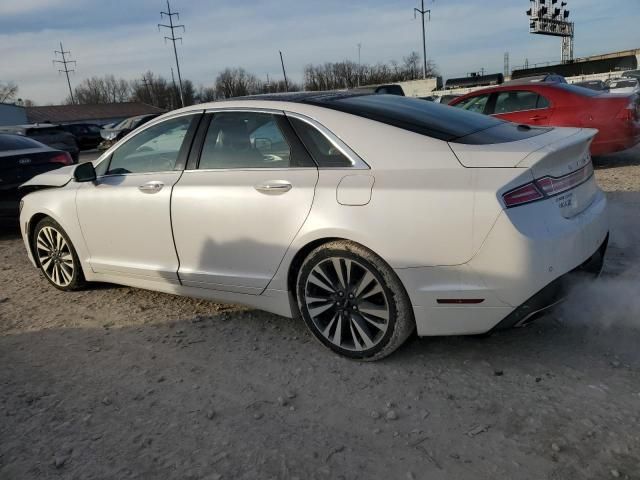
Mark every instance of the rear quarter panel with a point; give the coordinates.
(421, 207)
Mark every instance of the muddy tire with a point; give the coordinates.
(353, 302)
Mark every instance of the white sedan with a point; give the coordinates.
(369, 216)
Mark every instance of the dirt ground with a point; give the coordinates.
(118, 383)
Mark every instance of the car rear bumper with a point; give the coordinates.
(554, 293)
(616, 139)
(530, 249)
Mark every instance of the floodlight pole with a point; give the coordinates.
(422, 11)
(169, 14)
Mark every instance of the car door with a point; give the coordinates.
(522, 106)
(125, 214)
(241, 201)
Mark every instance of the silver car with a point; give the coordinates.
(369, 216)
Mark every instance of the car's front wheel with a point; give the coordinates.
(56, 256)
(353, 302)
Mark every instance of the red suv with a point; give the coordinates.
(617, 117)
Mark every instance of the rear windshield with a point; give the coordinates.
(16, 142)
(585, 92)
(429, 119)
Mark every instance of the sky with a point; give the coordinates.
(121, 37)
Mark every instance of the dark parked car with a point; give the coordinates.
(87, 134)
(21, 159)
(597, 85)
(112, 135)
(49, 134)
(632, 74)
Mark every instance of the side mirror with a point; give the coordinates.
(84, 172)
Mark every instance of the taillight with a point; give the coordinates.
(546, 187)
(631, 112)
(64, 158)
(521, 195)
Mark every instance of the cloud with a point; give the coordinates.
(121, 37)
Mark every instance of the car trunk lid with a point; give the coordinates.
(516, 153)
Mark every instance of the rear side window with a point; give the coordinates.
(15, 142)
(518, 101)
(323, 151)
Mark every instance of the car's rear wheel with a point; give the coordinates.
(56, 256)
(353, 302)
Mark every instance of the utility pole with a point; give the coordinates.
(147, 85)
(422, 11)
(65, 67)
(169, 14)
(359, 63)
(286, 83)
(507, 70)
(175, 87)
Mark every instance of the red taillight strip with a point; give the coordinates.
(546, 187)
(556, 185)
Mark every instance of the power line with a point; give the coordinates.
(169, 14)
(422, 12)
(65, 67)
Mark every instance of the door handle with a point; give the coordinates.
(538, 117)
(151, 187)
(277, 187)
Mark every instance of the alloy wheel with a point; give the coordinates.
(54, 256)
(347, 304)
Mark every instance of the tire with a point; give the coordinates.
(363, 312)
(56, 257)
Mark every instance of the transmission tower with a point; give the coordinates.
(507, 71)
(65, 66)
(169, 14)
(422, 12)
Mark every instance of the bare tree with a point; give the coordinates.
(237, 82)
(331, 76)
(205, 94)
(8, 92)
(105, 89)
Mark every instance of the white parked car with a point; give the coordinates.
(623, 85)
(370, 216)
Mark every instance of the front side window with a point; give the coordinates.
(518, 101)
(474, 104)
(155, 149)
(245, 140)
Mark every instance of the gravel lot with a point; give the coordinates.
(120, 383)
